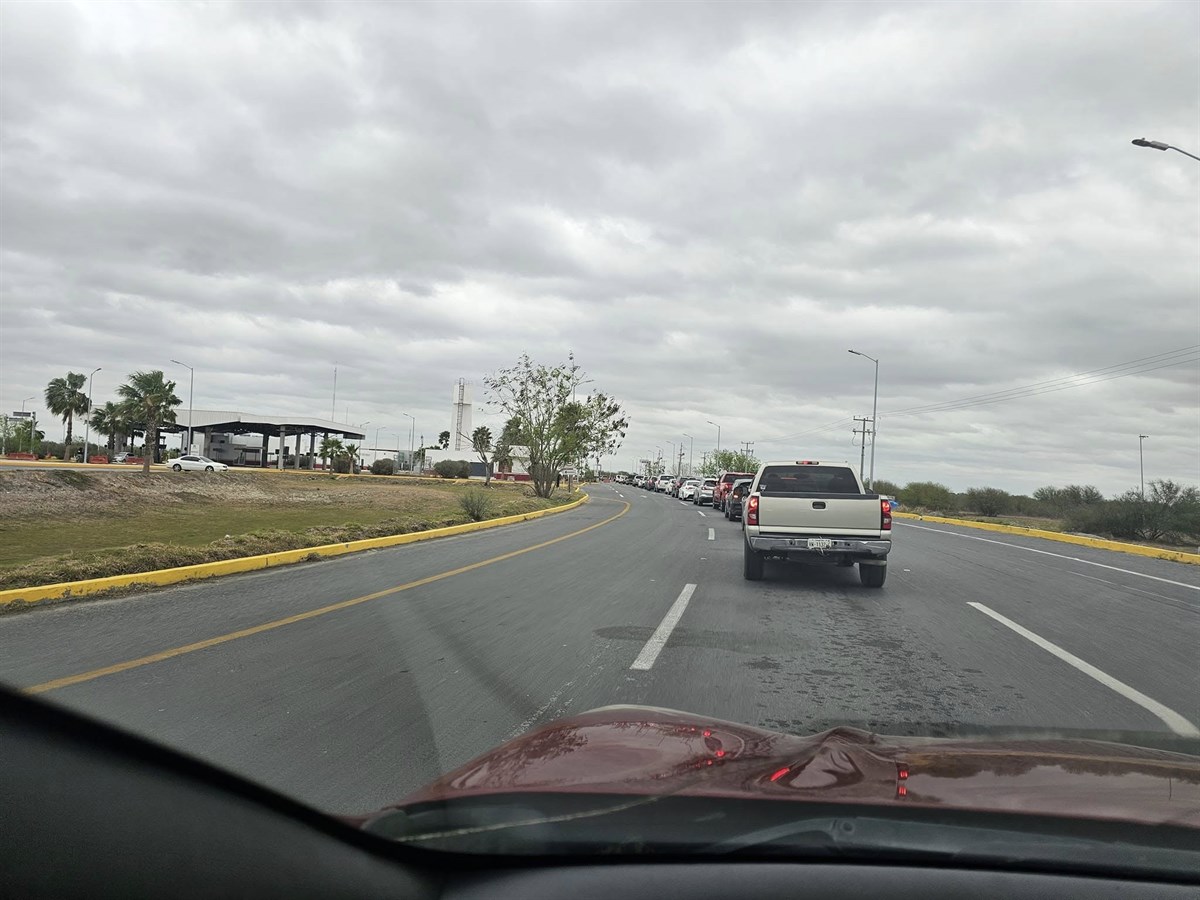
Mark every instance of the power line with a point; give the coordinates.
(1107, 373)
(840, 423)
(1036, 390)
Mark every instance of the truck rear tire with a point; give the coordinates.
(872, 576)
(752, 563)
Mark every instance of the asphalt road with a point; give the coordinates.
(349, 682)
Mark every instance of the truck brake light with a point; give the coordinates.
(752, 510)
(886, 512)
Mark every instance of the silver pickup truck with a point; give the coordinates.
(807, 510)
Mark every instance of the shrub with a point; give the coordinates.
(341, 465)
(988, 501)
(452, 468)
(476, 503)
(929, 495)
(1170, 513)
(886, 487)
(1062, 500)
(383, 467)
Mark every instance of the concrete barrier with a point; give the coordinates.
(1078, 539)
(23, 597)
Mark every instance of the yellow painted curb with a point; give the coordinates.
(1097, 543)
(70, 589)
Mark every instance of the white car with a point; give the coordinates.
(197, 464)
(687, 490)
(663, 483)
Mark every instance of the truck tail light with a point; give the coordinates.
(752, 511)
(886, 513)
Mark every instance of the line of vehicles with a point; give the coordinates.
(802, 511)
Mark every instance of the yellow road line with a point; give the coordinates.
(299, 617)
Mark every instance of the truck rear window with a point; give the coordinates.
(807, 480)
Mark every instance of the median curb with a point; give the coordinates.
(19, 598)
(1078, 539)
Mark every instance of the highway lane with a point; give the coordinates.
(355, 706)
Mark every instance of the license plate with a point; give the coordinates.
(819, 543)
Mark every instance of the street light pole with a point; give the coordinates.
(1142, 467)
(718, 427)
(33, 425)
(376, 447)
(1159, 145)
(87, 431)
(411, 432)
(874, 413)
(333, 403)
(691, 454)
(191, 385)
(577, 384)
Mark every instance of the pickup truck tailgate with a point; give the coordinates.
(808, 514)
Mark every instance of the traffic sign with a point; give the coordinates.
(570, 470)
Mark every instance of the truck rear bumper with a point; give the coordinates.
(853, 546)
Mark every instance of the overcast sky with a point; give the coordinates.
(708, 203)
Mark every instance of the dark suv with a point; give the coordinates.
(733, 500)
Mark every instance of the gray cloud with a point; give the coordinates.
(709, 203)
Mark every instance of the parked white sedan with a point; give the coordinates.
(197, 464)
(687, 490)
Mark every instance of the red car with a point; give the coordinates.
(724, 482)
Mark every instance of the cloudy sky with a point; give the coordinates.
(708, 203)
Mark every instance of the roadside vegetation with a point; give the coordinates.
(1169, 514)
(63, 525)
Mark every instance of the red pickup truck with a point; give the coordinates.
(724, 483)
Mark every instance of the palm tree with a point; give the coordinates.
(109, 421)
(351, 451)
(330, 449)
(65, 399)
(150, 401)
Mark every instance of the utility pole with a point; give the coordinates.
(746, 448)
(862, 456)
(679, 468)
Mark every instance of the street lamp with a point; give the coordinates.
(691, 455)
(33, 426)
(874, 412)
(87, 431)
(577, 384)
(718, 427)
(191, 384)
(1159, 145)
(1142, 467)
(672, 443)
(376, 447)
(411, 433)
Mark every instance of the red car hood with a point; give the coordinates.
(640, 750)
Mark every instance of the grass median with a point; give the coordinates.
(65, 526)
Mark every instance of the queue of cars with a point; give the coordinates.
(799, 511)
(700, 490)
